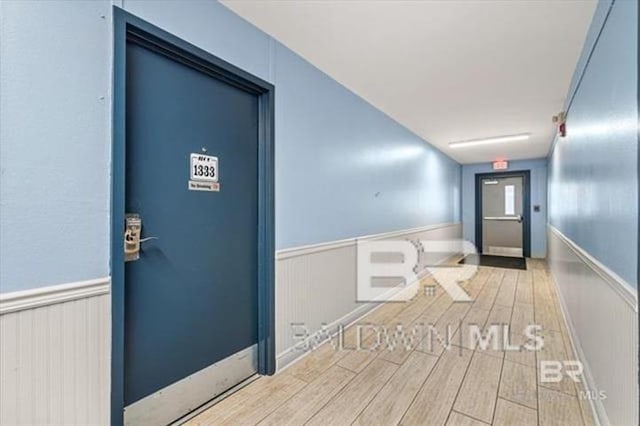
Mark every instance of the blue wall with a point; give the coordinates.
(55, 142)
(538, 169)
(593, 172)
(343, 168)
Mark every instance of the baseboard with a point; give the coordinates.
(292, 354)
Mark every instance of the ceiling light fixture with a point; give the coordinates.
(486, 141)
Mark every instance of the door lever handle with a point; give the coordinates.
(132, 234)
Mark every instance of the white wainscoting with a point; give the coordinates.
(55, 355)
(602, 312)
(316, 285)
(55, 342)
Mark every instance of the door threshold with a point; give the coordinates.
(204, 407)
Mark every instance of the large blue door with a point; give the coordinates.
(191, 299)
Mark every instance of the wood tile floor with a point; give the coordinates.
(428, 384)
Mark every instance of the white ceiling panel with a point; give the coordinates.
(447, 70)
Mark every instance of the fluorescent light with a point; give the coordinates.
(486, 141)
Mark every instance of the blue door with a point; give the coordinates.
(191, 298)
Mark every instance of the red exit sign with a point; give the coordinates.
(500, 165)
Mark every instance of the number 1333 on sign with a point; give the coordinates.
(204, 168)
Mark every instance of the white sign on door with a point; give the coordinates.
(509, 200)
(204, 168)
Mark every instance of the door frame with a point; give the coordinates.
(526, 206)
(129, 27)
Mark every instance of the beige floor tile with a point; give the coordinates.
(417, 307)
(506, 293)
(375, 338)
(518, 384)
(487, 295)
(521, 318)
(523, 314)
(477, 396)
(511, 414)
(251, 404)
(302, 406)
(553, 350)
(357, 359)
(585, 409)
(435, 400)
(524, 289)
(388, 407)
(440, 336)
(475, 285)
(495, 330)
(475, 318)
(311, 366)
(457, 419)
(558, 408)
(354, 397)
(434, 311)
(416, 331)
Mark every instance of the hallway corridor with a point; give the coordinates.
(319, 212)
(453, 387)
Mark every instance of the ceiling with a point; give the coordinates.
(447, 70)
